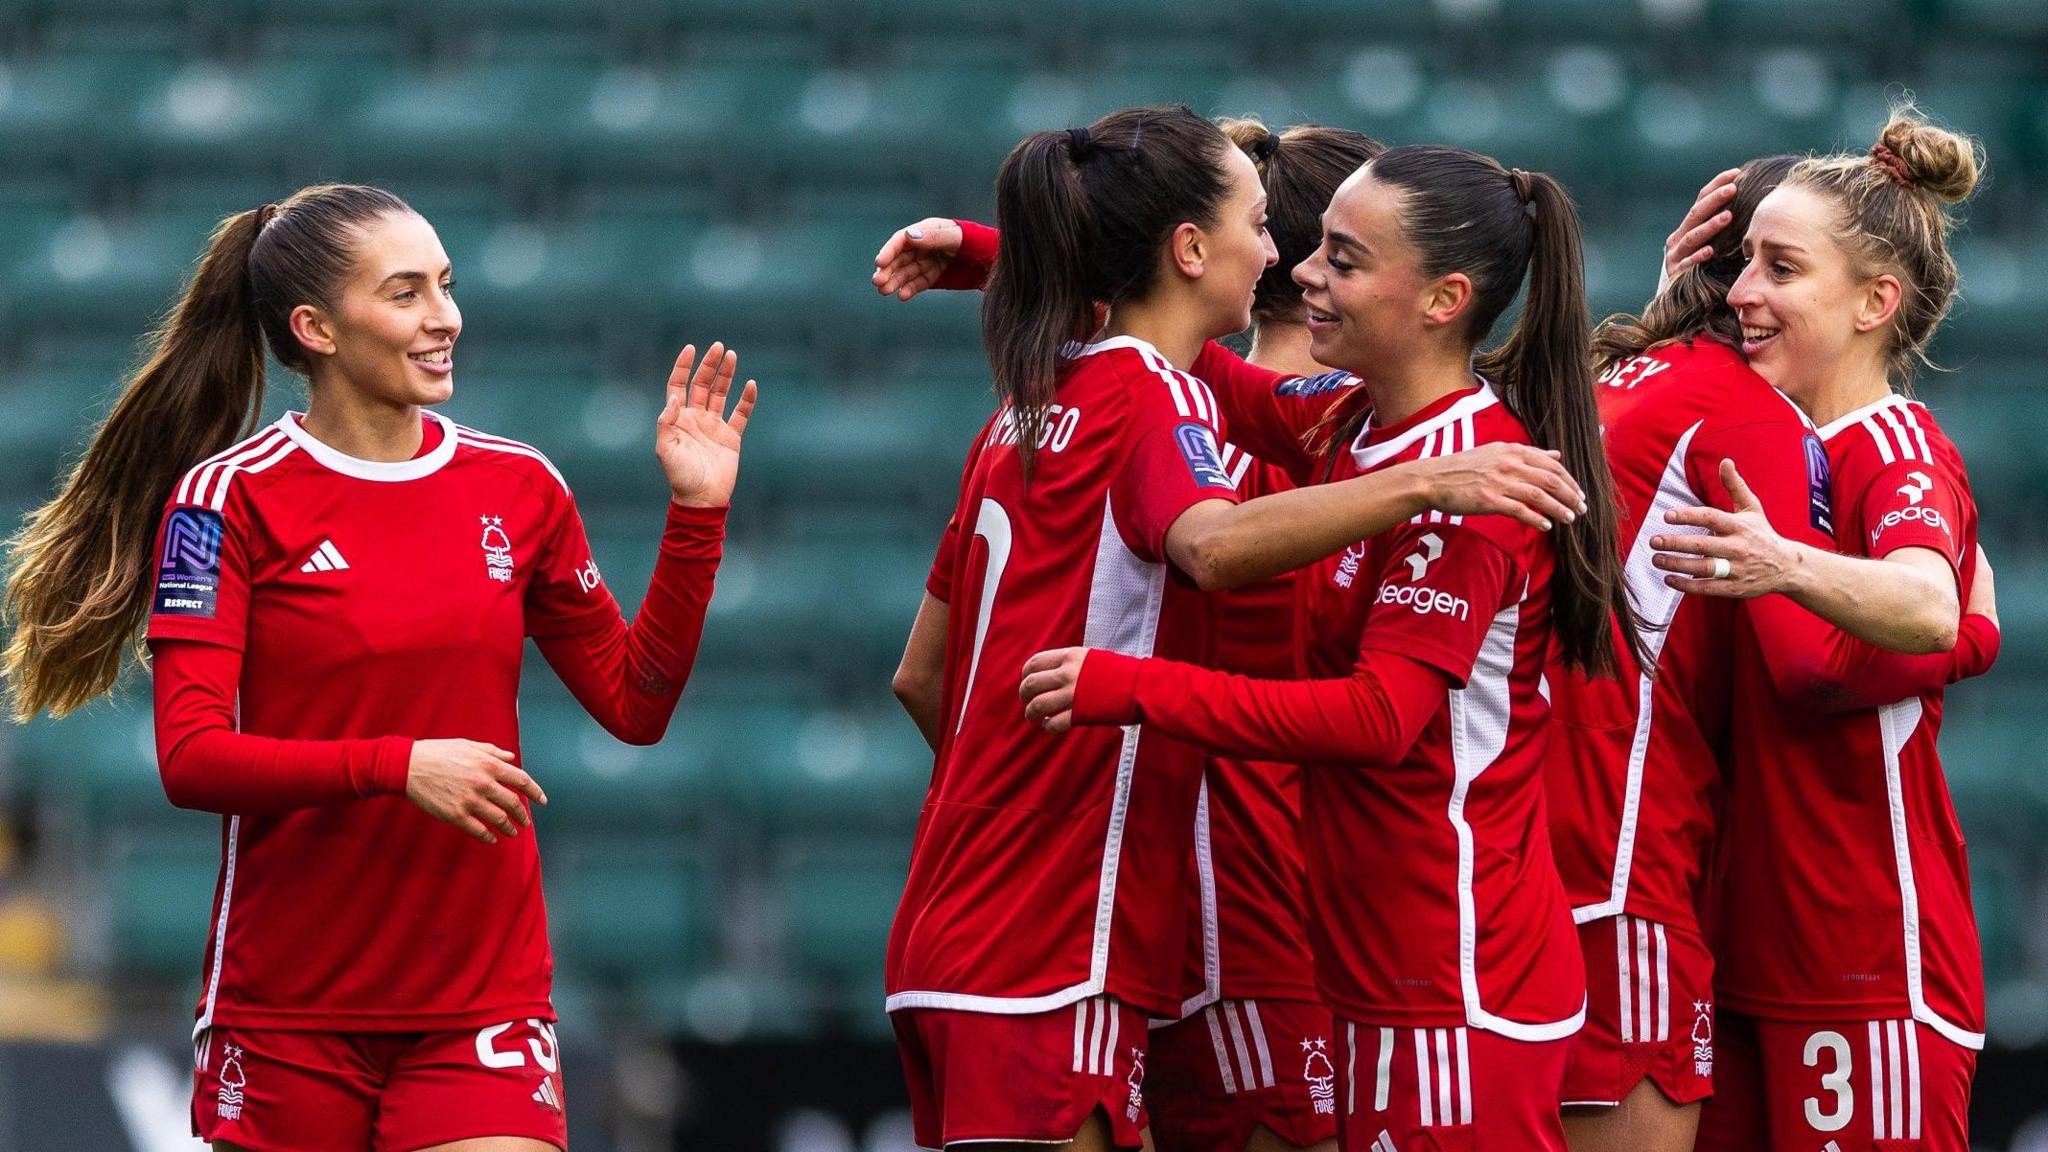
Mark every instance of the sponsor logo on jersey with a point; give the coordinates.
(1631, 372)
(188, 575)
(1819, 502)
(1315, 385)
(1198, 447)
(587, 577)
(232, 1080)
(1135, 1104)
(1425, 601)
(497, 549)
(1428, 550)
(1321, 1076)
(1918, 513)
(1703, 1038)
(1916, 486)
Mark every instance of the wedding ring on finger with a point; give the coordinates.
(1722, 568)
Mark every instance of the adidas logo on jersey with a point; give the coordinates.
(325, 558)
(545, 1094)
(1384, 1142)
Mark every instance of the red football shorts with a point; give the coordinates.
(1448, 1090)
(982, 1076)
(277, 1091)
(1220, 1073)
(1649, 1013)
(1850, 1086)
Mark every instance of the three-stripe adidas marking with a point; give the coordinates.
(325, 558)
(1095, 1028)
(1643, 963)
(1894, 1080)
(1384, 1142)
(546, 1094)
(1239, 1038)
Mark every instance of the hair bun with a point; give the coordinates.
(1944, 163)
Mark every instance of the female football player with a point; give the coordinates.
(1443, 936)
(1045, 913)
(1856, 1020)
(336, 608)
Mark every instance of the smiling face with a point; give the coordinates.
(1236, 249)
(390, 334)
(1803, 307)
(1364, 289)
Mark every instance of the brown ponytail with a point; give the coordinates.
(78, 587)
(1084, 214)
(1695, 303)
(1465, 213)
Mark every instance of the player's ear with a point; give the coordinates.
(1445, 300)
(313, 329)
(1880, 302)
(1186, 250)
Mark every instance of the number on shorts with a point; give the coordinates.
(541, 1044)
(993, 525)
(1836, 1082)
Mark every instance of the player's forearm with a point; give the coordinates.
(630, 678)
(208, 766)
(1892, 603)
(919, 683)
(236, 774)
(1369, 719)
(1870, 677)
(1278, 533)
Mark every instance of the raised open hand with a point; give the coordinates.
(915, 257)
(697, 444)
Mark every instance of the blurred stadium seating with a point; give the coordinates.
(615, 177)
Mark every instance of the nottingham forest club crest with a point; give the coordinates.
(497, 549)
(1320, 1074)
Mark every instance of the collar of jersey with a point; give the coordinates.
(1891, 400)
(1074, 350)
(1369, 456)
(381, 470)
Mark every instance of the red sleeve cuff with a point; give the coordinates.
(390, 766)
(1979, 631)
(970, 267)
(1107, 692)
(694, 533)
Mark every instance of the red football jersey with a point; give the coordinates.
(1433, 897)
(369, 599)
(1840, 833)
(1249, 935)
(1047, 869)
(1634, 770)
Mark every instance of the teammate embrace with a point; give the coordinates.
(1687, 733)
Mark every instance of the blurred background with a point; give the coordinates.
(613, 178)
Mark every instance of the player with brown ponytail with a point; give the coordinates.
(1454, 972)
(327, 602)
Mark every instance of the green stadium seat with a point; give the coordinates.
(160, 885)
(593, 780)
(100, 760)
(838, 899)
(623, 907)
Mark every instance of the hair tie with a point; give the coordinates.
(264, 214)
(1893, 163)
(1524, 187)
(1265, 146)
(1079, 145)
